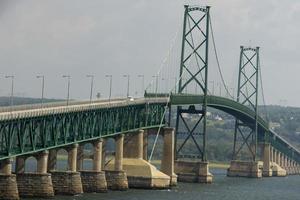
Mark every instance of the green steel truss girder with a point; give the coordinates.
(193, 70)
(247, 94)
(34, 134)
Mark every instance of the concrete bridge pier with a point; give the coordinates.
(267, 160)
(142, 174)
(37, 184)
(167, 163)
(145, 145)
(295, 167)
(67, 182)
(94, 180)
(193, 171)
(277, 170)
(285, 163)
(8, 181)
(291, 169)
(249, 169)
(116, 178)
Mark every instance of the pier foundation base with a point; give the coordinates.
(249, 169)
(68, 183)
(116, 180)
(277, 170)
(141, 174)
(8, 187)
(193, 172)
(93, 181)
(35, 185)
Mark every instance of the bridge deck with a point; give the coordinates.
(18, 112)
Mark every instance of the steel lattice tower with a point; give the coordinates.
(246, 135)
(193, 73)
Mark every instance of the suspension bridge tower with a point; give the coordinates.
(190, 143)
(245, 148)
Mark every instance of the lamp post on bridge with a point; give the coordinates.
(12, 89)
(110, 85)
(92, 85)
(162, 84)
(220, 88)
(43, 87)
(156, 83)
(128, 79)
(213, 87)
(175, 86)
(68, 87)
(143, 82)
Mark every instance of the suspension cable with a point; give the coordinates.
(163, 116)
(165, 58)
(262, 91)
(217, 58)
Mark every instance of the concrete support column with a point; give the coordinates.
(294, 167)
(68, 182)
(271, 155)
(97, 161)
(134, 169)
(145, 145)
(42, 162)
(8, 182)
(80, 155)
(117, 179)
(274, 155)
(291, 167)
(140, 144)
(72, 157)
(94, 180)
(103, 158)
(52, 159)
(133, 146)
(267, 171)
(119, 152)
(6, 167)
(280, 161)
(20, 165)
(285, 162)
(37, 184)
(167, 163)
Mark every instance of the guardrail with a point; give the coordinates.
(76, 106)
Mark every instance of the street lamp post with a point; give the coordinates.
(110, 85)
(220, 88)
(175, 86)
(143, 82)
(128, 78)
(162, 85)
(92, 85)
(12, 89)
(213, 87)
(68, 88)
(156, 83)
(43, 87)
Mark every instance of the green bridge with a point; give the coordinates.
(41, 131)
(30, 131)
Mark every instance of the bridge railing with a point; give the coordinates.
(51, 104)
(38, 130)
(82, 106)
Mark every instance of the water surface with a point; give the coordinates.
(223, 188)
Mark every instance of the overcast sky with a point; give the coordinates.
(78, 37)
